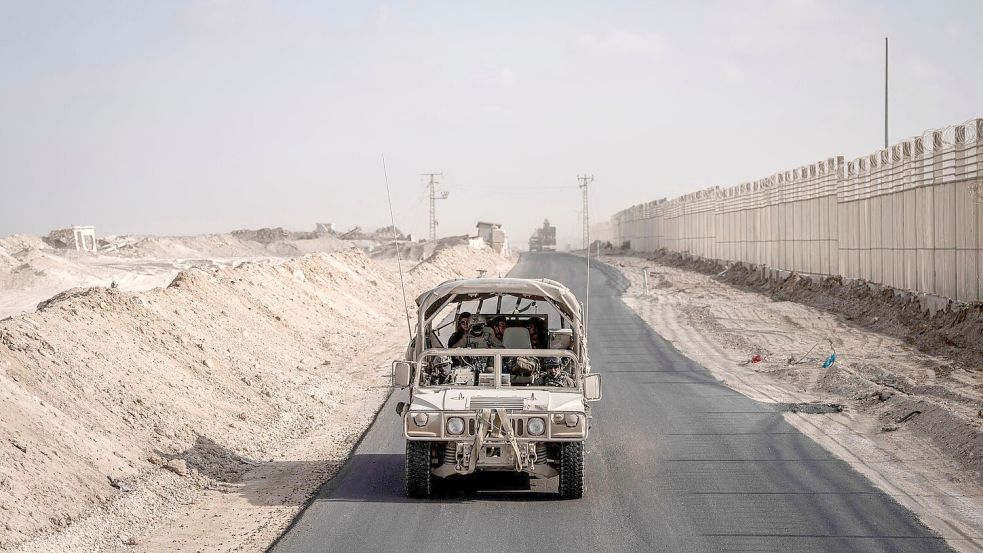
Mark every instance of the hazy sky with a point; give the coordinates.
(187, 117)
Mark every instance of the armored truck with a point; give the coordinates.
(500, 381)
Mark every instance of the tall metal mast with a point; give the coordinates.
(585, 181)
(434, 196)
(886, 144)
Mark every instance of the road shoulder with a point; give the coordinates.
(723, 328)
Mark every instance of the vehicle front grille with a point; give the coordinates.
(480, 402)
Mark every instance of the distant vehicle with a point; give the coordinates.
(512, 395)
(543, 238)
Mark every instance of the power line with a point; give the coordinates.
(521, 187)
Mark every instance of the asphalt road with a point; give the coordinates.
(676, 462)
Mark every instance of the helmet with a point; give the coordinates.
(477, 328)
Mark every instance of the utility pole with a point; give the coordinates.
(585, 181)
(434, 196)
(886, 145)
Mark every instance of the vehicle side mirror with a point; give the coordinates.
(592, 387)
(402, 373)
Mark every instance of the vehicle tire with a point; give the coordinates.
(571, 470)
(418, 476)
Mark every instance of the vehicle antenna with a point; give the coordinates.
(587, 299)
(399, 264)
(585, 182)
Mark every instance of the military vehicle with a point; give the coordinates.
(499, 380)
(543, 239)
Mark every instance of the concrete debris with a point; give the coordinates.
(177, 466)
(909, 416)
(119, 484)
(810, 408)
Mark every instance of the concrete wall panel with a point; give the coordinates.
(909, 216)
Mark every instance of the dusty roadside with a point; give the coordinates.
(910, 421)
(200, 416)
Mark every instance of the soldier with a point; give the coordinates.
(441, 370)
(553, 376)
(480, 335)
(458, 338)
(498, 327)
(538, 335)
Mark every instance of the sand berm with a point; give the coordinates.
(120, 407)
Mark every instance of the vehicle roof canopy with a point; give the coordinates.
(529, 288)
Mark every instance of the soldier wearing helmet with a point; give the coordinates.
(553, 375)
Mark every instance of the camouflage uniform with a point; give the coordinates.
(486, 340)
(559, 380)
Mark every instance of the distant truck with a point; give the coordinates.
(543, 238)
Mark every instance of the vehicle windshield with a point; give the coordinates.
(466, 367)
(497, 320)
(526, 342)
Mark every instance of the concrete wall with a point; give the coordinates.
(601, 232)
(910, 216)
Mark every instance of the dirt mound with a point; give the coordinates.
(455, 260)
(411, 251)
(321, 244)
(955, 332)
(29, 273)
(237, 244)
(266, 235)
(416, 251)
(32, 270)
(184, 247)
(109, 394)
(18, 242)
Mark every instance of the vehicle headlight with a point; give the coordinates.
(455, 426)
(536, 426)
(571, 419)
(420, 419)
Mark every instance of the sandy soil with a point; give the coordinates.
(32, 271)
(200, 416)
(911, 421)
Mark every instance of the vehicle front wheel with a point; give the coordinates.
(571, 470)
(418, 476)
